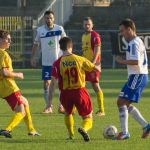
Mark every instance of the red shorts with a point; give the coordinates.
(76, 97)
(14, 99)
(92, 76)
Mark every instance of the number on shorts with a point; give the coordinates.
(46, 74)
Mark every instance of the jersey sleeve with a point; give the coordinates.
(134, 51)
(4, 62)
(63, 34)
(37, 37)
(97, 40)
(87, 65)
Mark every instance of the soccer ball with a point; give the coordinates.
(110, 132)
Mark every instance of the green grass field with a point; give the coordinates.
(52, 126)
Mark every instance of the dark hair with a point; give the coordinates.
(48, 12)
(128, 23)
(88, 19)
(63, 42)
(4, 33)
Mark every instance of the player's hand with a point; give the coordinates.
(33, 62)
(119, 59)
(20, 75)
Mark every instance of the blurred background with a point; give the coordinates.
(22, 17)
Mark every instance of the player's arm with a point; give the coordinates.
(63, 34)
(133, 56)
(5, 72)
(34, 49)
(97, 50)
(89, 66)
(120, 60)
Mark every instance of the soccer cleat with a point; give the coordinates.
(100, 114)
(146, 131)
(5, 133)
(34, 134)
(122, 136)
(84, 135)
(47, 111)
(61, 110)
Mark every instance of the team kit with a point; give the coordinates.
(71, 72)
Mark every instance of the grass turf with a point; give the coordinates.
(52, 126)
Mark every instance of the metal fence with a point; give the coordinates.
(22, 36)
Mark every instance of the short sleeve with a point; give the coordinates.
(134, 51)
(54, 71)
(87, 65)
(97, 40)
(63, 34)
(37, 37)
(4, 61)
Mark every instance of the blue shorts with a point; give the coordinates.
(46, 72)
(134, 87)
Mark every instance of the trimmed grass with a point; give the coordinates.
(52, 126)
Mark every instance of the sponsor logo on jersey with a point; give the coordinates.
(69, 63)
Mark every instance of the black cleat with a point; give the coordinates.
(5, 133)
(84, 135)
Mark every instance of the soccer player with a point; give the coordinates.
(137, 66)
(91, 48)
(70, 69)
(47, 37)
(10, 91)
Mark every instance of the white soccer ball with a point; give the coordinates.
(110, 132)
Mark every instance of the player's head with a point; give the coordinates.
(127, 28)
(49, 18)
(5, 39)
(88, 24)
(66, 44)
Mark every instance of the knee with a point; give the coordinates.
(46, 84)
(87, 116)
(120, 103)
(96, 87)
(25, 101)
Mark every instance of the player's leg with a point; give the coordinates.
(69, 122)
(67, 102)
(141, 83)
(84, 106)
(46, 77)
(135, 113)
(28, 119)
(17, 106)
(100, 98)
(123, 116)
(46, 85)
(86, 126)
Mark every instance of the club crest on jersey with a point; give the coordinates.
(50, 43)
(69, 63)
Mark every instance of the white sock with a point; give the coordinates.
(135, 113)
(123, 111)
(46, 94)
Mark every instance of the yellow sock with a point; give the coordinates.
(69, 122)
(28, 120)
(100, 100)
(87, 124)
(15, 121)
